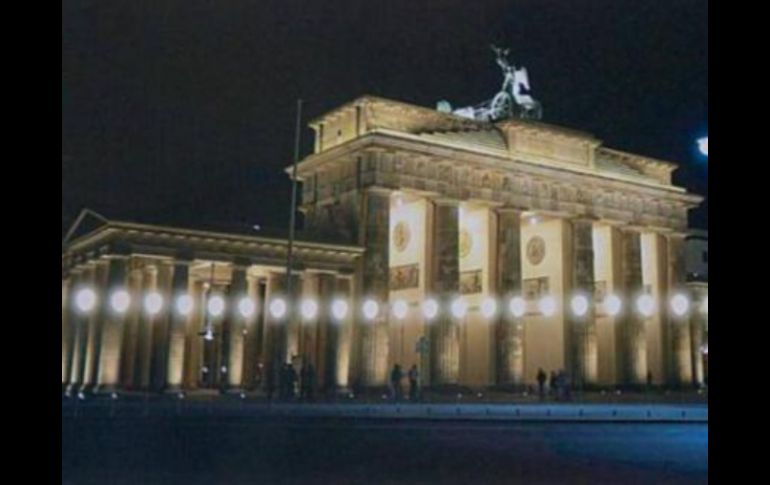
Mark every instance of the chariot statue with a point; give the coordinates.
(512, 101)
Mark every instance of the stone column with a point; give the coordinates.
(681, 356)
(160, 328)
(237, 324)
(374, 334)
(112, 329)
(511, 329)
(193, 338)
(273, 346)
(143, 365)
(80, 336)
(343, 336)
(584, 338)
(252, 353)
(632, 326)
(445, 338)
(697, 326)
(308, 328)
(178, 327)
(131, 327)
(69, 317)
(326, 348)
(94, 341)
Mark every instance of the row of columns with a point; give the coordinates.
(637, 348)
(103, 351)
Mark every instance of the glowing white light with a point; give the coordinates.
(579, 305)
(517, 306)
(85, 300)
(246, 307)
(371, 309)
(680, 304)
(547, 306)
(278, 308)
(645, 305)
(703, 145)
(339, 309)
(459, 308)
(489, 307)
(400, 309)
(184, 305)
(430, 309)
(309, 309)
(153, 303)
(120, 301)
(612, 305)
(216, 306)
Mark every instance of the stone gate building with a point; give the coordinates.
(500, 224)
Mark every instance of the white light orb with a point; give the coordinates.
(400, 309)
(371, 309)
(216, 306)
(517, 306)
(680, 304)
(339, 309)
(430, 309)
(547, 306)
(184, 305)
(309, 309)
(703, 145)
(153, 303)
(120, 301)
(85, 300)
(278, 308)
(579, 305)
(246, 307)
(488, 307)
(645, 305)
(612, 305)
(459, 308)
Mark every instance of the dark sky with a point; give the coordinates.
(183, 111)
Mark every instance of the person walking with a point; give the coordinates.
(541, 383)
(552, 384)
(395, 381)
(414, 375)
(291, 382)
(307, 382)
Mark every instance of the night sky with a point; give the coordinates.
(183, 112)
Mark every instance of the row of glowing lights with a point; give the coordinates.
(120, 302)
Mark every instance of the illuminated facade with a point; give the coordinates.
(525, 235)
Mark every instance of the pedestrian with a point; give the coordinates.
(413, 376)
(273, 378)
(307, 382)
(552, 384)
(541, 383)
(258, 376)
(566, 385)
(395, 381)
(291, 382)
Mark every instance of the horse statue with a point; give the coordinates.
(513, 99)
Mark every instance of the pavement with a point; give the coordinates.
(232, 406)
(291, 449)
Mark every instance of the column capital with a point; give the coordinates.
(377, 190)
(448, 201)
(508, 209)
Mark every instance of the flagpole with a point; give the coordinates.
(292, 215)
